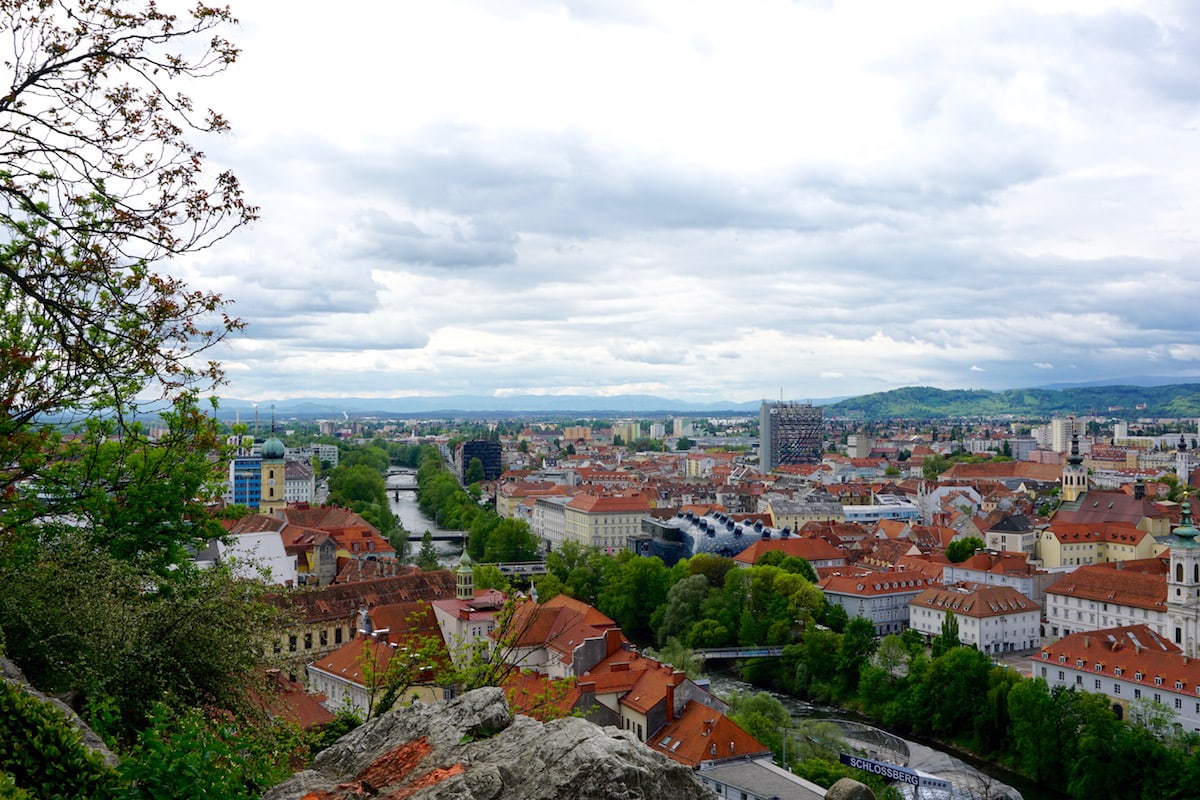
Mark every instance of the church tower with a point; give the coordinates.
(273, 496)
(1183, 584)
(464, 579)
(1074, 474)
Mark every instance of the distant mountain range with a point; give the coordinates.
(479, 405)
(1141, 399)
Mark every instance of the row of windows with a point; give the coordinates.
(322, 638)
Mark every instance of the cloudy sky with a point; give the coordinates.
(709, 200)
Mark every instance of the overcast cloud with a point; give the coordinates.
(709, 200)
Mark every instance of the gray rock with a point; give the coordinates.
(473, 748)
(849, 789)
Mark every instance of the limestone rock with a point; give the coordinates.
(849, 789)
(473, 748)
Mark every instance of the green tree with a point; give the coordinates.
(98, 186)
(427, 556)
(681, 609)
(474, 472)
(638, 586)
(960, 550)
(934, 465)
(948, 639)
(684, 443)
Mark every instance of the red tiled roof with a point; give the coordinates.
(1133, 650)
(876, 584)
(703, 734)
(1139, 584)
(340, 601)
(286, 699)
(601, 504)
(976, 601)
(535, 695)
(808, 549)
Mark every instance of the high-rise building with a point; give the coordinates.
(789, 433)
(489, 453)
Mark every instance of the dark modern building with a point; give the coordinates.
(488, 453)
(789, 433)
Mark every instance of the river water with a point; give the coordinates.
(404, 506)
(977, 781)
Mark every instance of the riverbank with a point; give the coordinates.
(971, 776)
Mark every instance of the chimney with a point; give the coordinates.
(612, 641)
(620, 666)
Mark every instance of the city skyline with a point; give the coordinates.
(707, 202)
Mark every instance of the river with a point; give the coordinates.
(974, 779)
(404, 506)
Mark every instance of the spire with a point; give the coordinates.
(1074, 458)
(1186, 532)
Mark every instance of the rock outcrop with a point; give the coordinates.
(474, 748)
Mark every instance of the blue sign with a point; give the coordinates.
(893, 772)
(886, 771)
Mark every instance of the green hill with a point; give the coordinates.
(924, 402)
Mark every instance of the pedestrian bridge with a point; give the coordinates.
(521, 567)
(731, 653)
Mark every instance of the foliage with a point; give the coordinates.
(489, 576)
(960, 550)
(135, 498)
(43, 755)
(922, 402)
(474, 472)
(427, 557)
(679, 656)
(948, 639)
(183, 754)
(110, 632)
(99, 183)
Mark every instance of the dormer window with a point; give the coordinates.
(1099, 668)
(1118, 672)
(1158, 681)
(1079, 662)
(1137, 676)
(1062, 659)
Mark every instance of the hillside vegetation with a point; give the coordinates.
(925, 402)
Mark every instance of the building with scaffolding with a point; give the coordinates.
(789, 433)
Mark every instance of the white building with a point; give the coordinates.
(548, 521)
(881, 597)
(1132, 665)
(993, 619)
(258, 555)
(1108, 595)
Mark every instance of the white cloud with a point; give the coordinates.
(466, 197)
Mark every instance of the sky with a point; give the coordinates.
(707, 200)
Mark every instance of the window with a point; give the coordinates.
(1097, 684)
(324, 638)
(308, 641)
(337, 636)
(1079, 680)
(1178, 702)
(1116, 688)
(292, 644)
(1137, 693)
(1061, 676)
(1158, 680)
